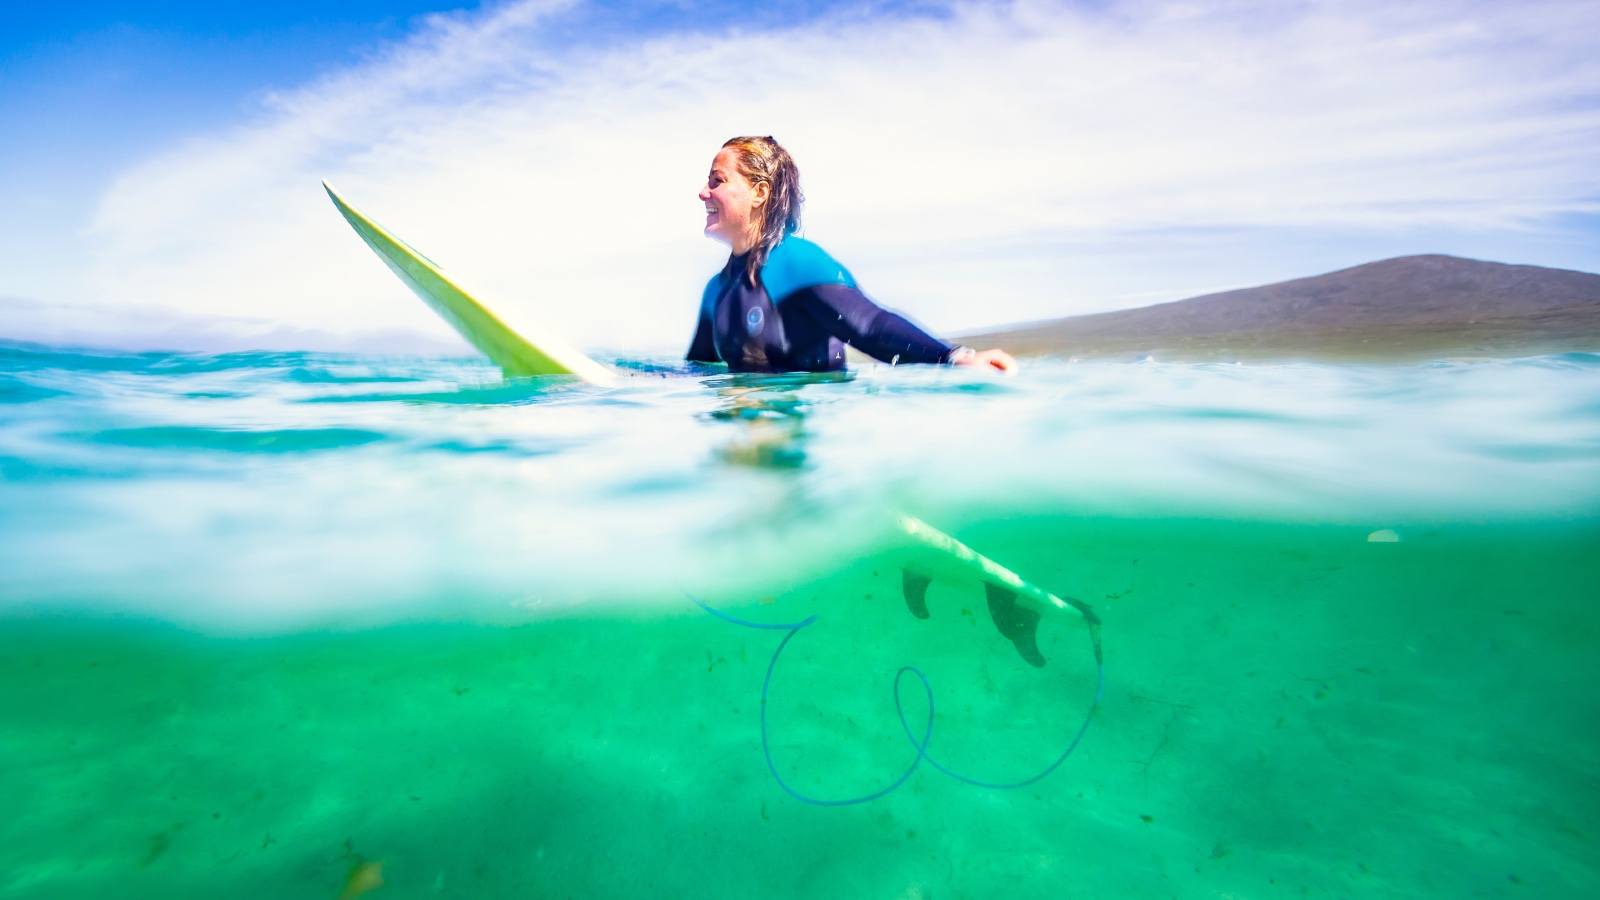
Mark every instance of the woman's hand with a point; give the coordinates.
(996, 360)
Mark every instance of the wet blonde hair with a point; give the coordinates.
(762, 160)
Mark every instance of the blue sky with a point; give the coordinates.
(97, 83)
(973, 163)
(90, 84)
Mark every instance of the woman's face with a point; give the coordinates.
(731, 202)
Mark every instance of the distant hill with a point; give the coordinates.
(1411, 305)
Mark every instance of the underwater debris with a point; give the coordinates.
(159, 844)
(365, 876)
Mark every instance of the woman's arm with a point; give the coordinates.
(848, 315)
(702, 348)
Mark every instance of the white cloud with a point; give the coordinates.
(971, 168)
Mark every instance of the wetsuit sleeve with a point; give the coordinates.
(847, 314)
(701, 349)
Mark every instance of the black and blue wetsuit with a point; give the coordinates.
(802, 310)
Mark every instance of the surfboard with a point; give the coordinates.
(945, 556)
(514, 353)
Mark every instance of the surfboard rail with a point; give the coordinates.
(512, 352)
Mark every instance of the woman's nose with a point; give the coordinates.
(704, 195)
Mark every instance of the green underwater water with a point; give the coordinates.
(1293, 706)
(1288, 710)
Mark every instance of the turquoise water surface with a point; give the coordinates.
(271, 620)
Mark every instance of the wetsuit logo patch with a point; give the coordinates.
(754, 320)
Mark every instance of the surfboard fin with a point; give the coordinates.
(915, 588)
(1018, 624)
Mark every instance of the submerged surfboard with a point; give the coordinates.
(512, 352)
(951, 558)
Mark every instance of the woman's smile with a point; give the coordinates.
(728, 199)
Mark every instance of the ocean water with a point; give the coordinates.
(290, 624)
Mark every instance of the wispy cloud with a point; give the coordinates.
(979, 164)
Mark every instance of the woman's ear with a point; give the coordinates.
(759, 193)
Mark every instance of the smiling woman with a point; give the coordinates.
(782, 303)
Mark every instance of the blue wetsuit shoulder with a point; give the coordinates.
(796, 264)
